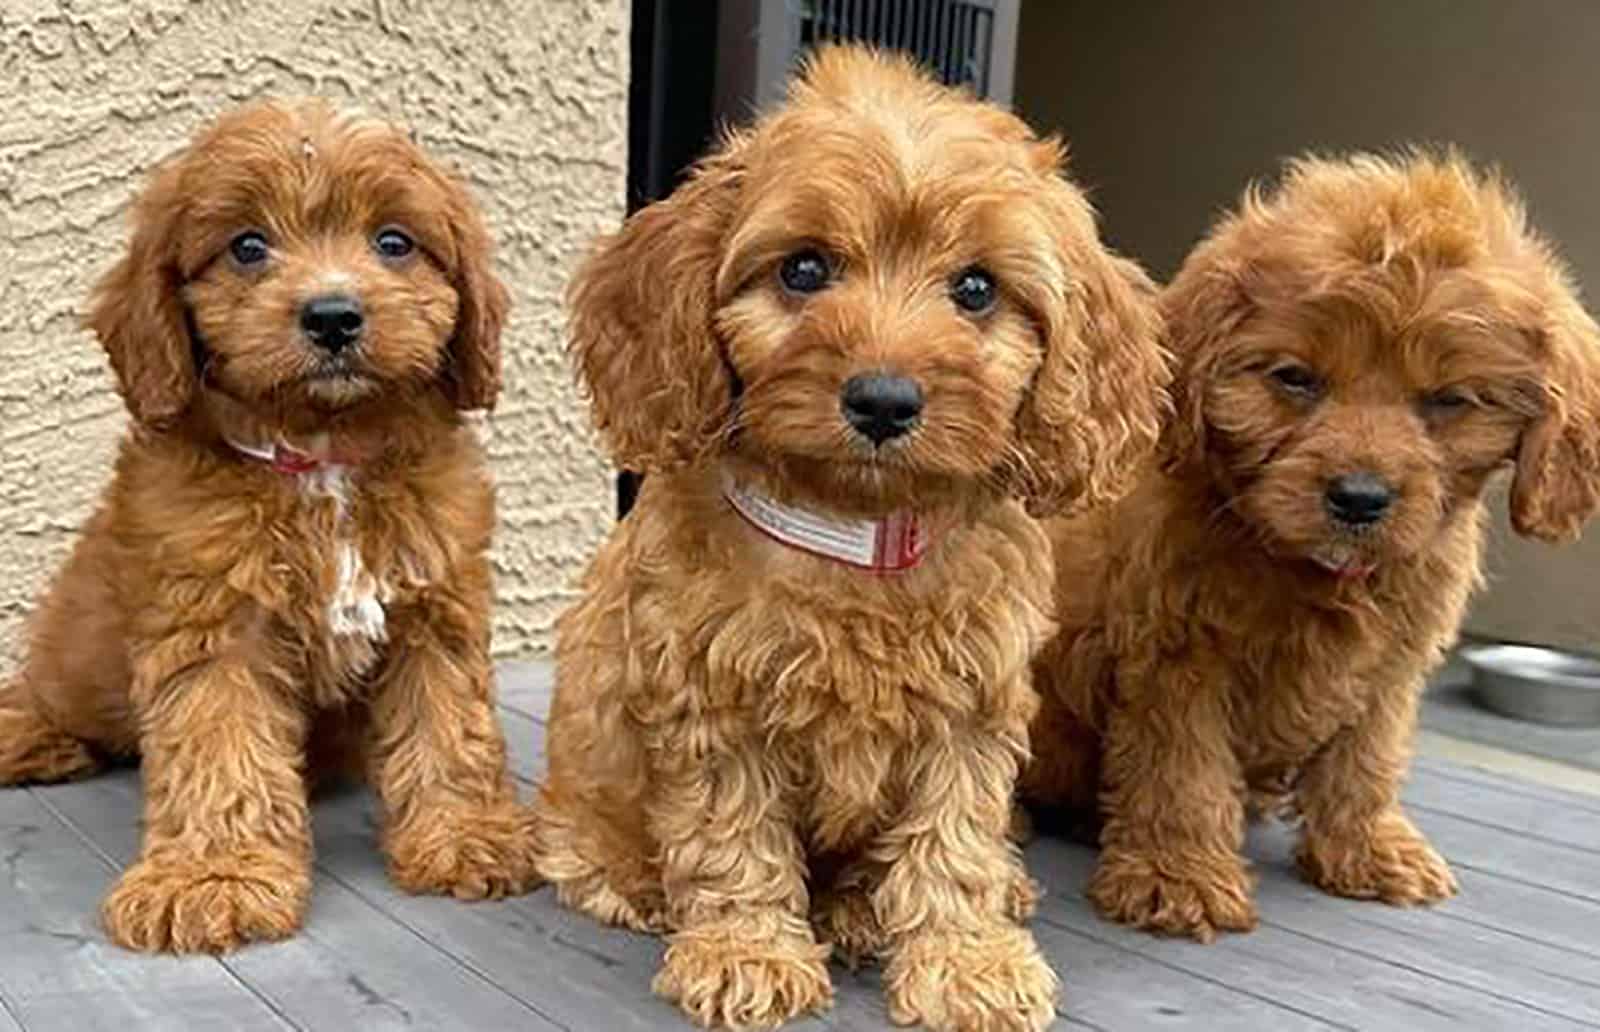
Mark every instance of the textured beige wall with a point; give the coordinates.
(1172, 105)
(527, 98)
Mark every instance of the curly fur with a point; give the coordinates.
(1224, 640)
(766, 753)
(241, 628)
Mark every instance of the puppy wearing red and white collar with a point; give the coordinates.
(792, 701)
(293, 548)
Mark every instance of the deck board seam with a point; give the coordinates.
(519, 711)
(1199, 976)
(266, 1001)
(1554, 890)
(1446, 914)
(1430, 975)
(11, 1012)
(1406, 930)
(1530, 836)
(461, 962)
(1505, 783)
(77, 832)
(114, 867)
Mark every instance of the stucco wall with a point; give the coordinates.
(527, 98)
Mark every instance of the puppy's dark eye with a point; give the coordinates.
(249, 248)
(1446, 401)
(1297, 379)
(805, 272)
(974, 291)
(392, 243)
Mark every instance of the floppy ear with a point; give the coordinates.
(1098, 397)
(472, 372)
(1205, 305)
(641, 327)
(1556, 487)
(137, 309)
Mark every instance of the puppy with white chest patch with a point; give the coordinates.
(290, 566)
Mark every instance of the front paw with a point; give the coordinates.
(990, 982)
(470, 854)
(845, 919)
(734, 976)
(189, 904)
(1194, 896)
(1393, 863)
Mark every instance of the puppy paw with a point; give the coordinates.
(734, 976)
(33, 752)
(184, 904)
(845, 920)
(468, 854)
(995, 981)
(1174, 896)
(592, 895)
(1394, 864)
(1022, 897)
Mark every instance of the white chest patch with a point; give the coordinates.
(328, 481)
(357, 606)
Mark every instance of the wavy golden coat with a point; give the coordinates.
(1358, 351)
(243, 628)
(767, 753)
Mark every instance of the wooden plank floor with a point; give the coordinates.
(1519, 950)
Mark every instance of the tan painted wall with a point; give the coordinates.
(528, 98)
(1172, 105)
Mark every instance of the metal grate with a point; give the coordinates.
(968, 43)
(953, 38)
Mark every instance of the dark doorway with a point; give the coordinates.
(671, 121)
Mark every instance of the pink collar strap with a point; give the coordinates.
(893, 543)
(287, 460)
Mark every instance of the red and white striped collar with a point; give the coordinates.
(891, 544)
(288, 460)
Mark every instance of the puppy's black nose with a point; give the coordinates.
(333, 321)
(880, 406)
(1359, 498)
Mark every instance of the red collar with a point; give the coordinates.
(282, 458)
(891, 544)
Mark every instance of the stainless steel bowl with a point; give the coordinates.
(1537, 684)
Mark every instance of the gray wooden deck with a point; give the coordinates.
(1519, 950)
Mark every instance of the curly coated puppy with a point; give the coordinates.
(1358, 354)
(292, 552)
(793, 700)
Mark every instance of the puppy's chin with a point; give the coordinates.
(865, 485)
(1347, 561)
(338, 390)
(1304, 538)
(819, 459)
(1345, 554)
(876, 483)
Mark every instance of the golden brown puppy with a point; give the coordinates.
(293, 545)
(1357, 354)
(792, 702)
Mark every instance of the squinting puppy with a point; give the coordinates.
(290, 564)
(1358, 352)
(792, 701)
